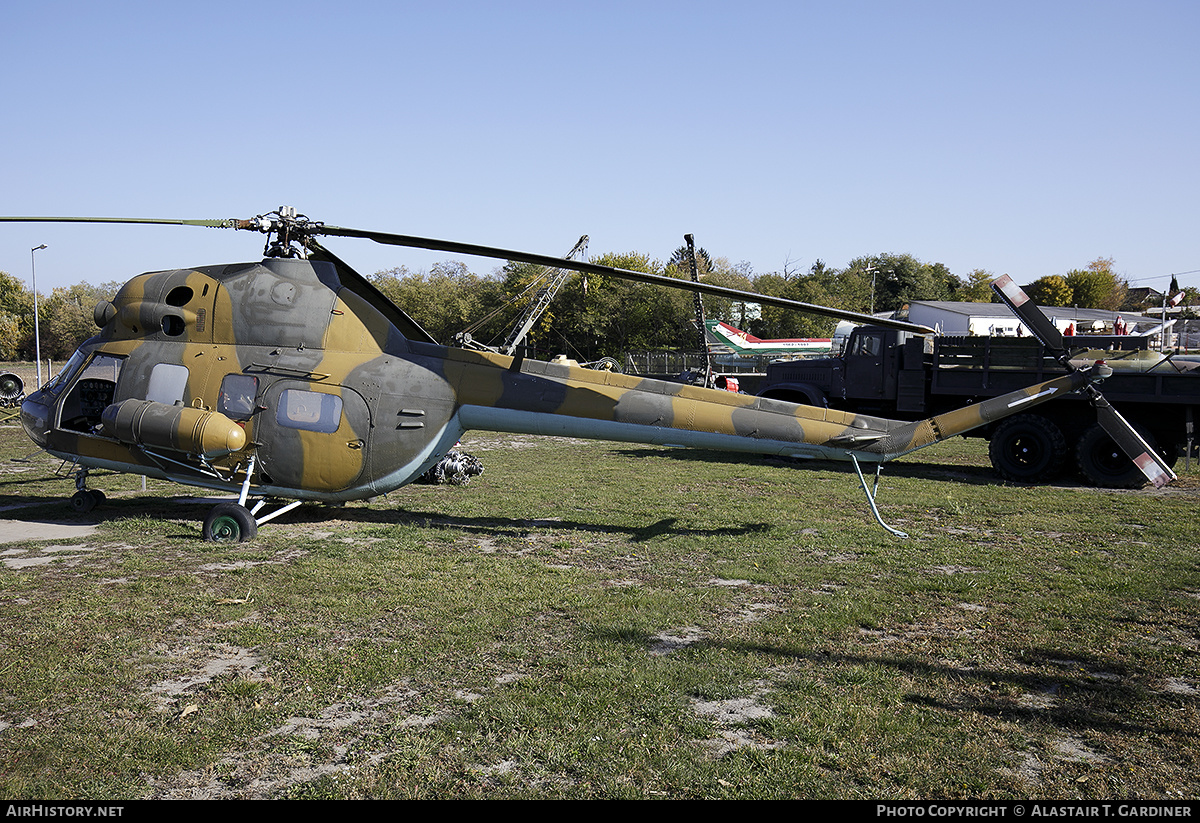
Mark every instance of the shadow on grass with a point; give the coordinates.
(511, 527)
(979, 475)
(1066, 688)
(903, 467)
(56, 510)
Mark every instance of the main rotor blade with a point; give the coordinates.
(216, 224)
(268, 223)
(1031, 315)
(473, 250)
(1148, 461)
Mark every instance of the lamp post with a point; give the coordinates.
(37, 334)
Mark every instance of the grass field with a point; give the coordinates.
(593, 620)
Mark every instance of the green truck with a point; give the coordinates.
(897, 374)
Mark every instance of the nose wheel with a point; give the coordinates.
(85, 499)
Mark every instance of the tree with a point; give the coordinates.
(901, 278)
(848, 289)
(681, 266)
(721, 273)
(11, 333)
(1051, 290)
(977, 288)
(444, 300)
(1097, 287)
(595, 315)
(67, 319)
(16, 319)
(620, 316)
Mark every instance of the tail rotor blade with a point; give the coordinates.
(1129, 441)
(1147, 460)
(1029, 313)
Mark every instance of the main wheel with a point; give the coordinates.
(1102, 463)
(229, 523)
(1028, 448)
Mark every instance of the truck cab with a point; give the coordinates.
(878, 371)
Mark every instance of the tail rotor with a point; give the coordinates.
(1127, 439)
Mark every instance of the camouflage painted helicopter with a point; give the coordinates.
(294, 379)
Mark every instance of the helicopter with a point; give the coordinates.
(293, 380)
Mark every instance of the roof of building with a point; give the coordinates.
(1001, 310)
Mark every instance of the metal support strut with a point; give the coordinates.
(871, 492)
(272, 515)
(246, 483)
(258, 505)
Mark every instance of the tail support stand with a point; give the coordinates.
(871, 492)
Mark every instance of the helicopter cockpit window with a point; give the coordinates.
(65, 374)
(309, 410)
(91, 394)
(237, 396)
(167, 383)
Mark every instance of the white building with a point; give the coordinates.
(995, 319)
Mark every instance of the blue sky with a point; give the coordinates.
(1026, 138)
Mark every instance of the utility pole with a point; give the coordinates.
(37, 334)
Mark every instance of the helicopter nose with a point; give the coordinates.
(35, 417)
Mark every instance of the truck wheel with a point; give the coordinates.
(1103, 464)
(1028, 448)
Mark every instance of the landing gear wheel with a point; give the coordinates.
(84, 500)
(1103, 464)
(1028, 448)
(229, 523)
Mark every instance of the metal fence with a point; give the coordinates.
(676, 362)
(662, 362)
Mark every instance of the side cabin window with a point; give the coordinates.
(309, 410)
(237, 396)
(167, 383)
(91, 394)
(868, 344)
